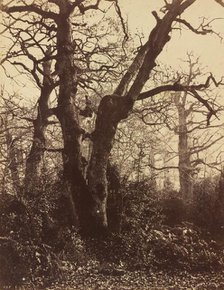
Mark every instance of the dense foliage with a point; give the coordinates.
(37, 249)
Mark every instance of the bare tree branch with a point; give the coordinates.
(29, 8)
(163, 168)
(203, 30)
(206, 104)
(203, 147)
(157, 40)
(54, 150)
(118, 9)
(83, 8)
(220, 2)
(32, 72)
(176, 87)
(131, 72)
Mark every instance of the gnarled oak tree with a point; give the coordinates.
(88, 196)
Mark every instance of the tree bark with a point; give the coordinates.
(185, 167)
(111, 111)
(75, 187)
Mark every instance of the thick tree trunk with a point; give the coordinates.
(111, 111)
(185, 167)
(184, 153)
(75, 187)
(36, 154)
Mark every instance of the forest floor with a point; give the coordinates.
(139, 280)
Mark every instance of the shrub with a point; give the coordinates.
(184, 247)
(15, 221)
(139, 211)
(25, 227)
(208, 208)
(173, 210)
(154, 235)
(27, 262)
(140, 206)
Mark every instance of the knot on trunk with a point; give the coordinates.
(115, 107)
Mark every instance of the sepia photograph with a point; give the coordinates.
(111, 144)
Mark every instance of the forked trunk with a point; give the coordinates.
(91, 200)
(114, 108)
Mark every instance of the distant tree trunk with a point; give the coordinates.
(218, 214)
(13, 162)
(221, 184)
(36, 154)
(152, 173)
(185, 167)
